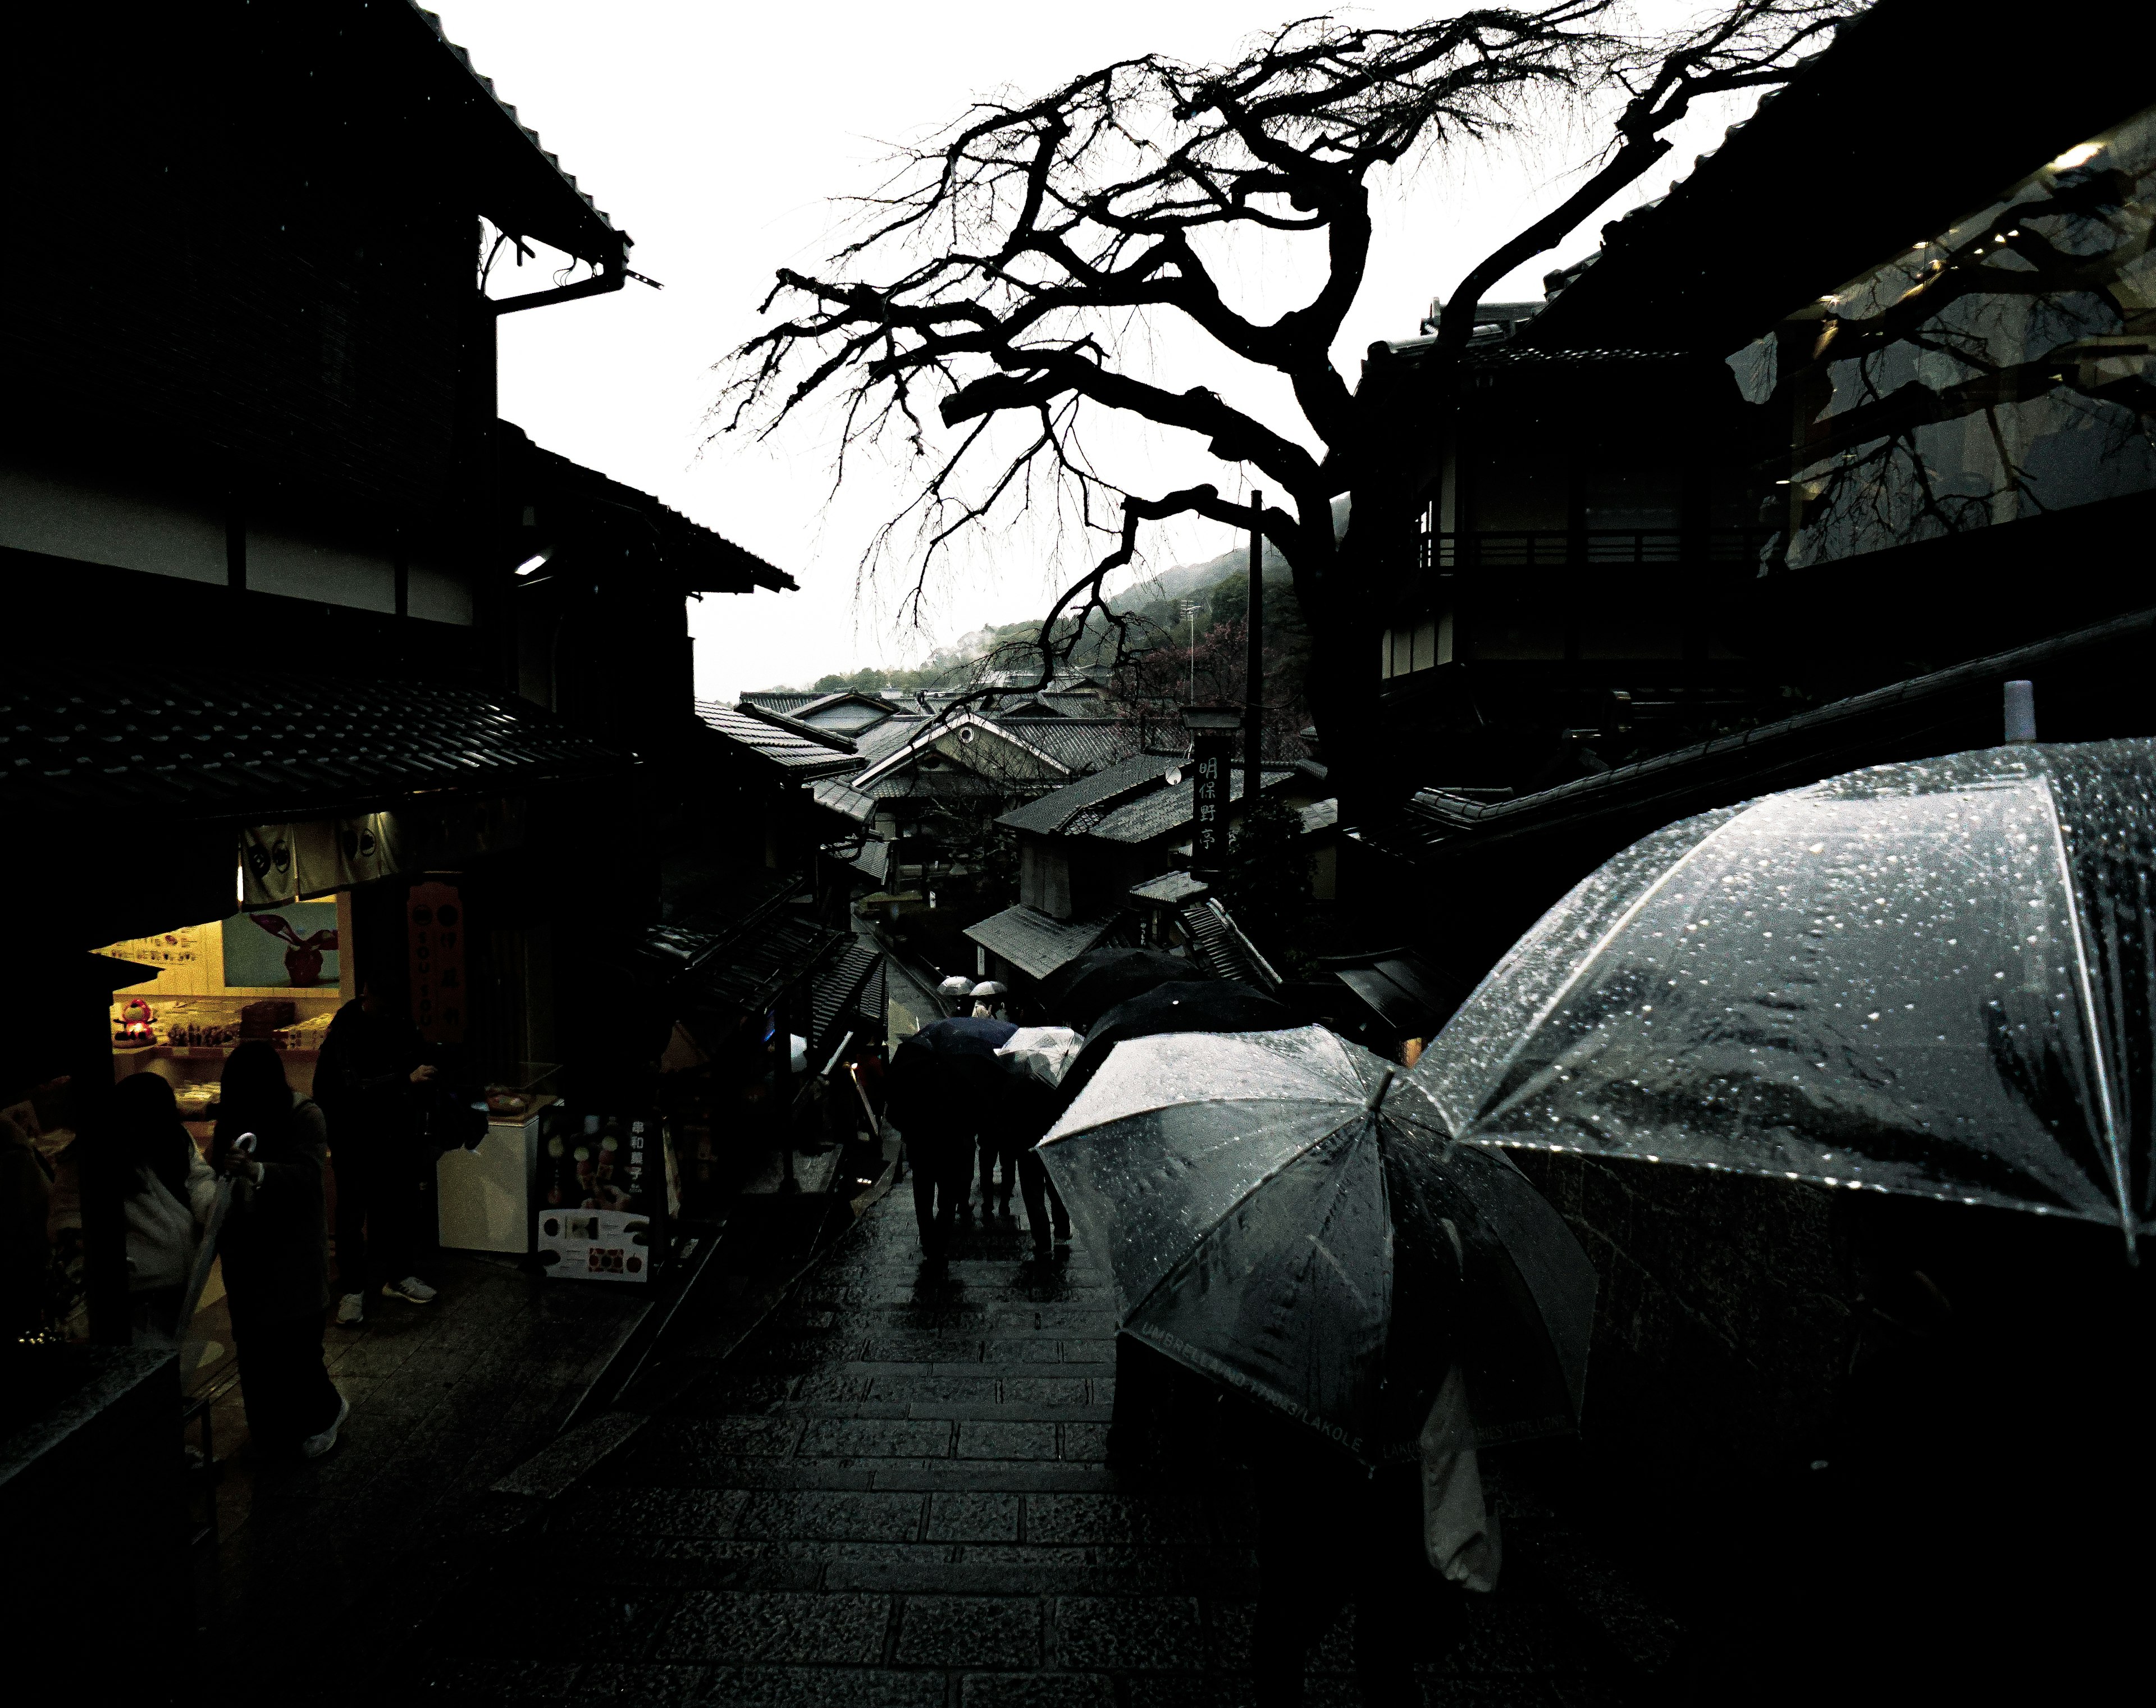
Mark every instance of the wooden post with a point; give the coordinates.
(1254, 667)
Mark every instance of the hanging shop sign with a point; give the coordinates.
(434, 929)
(280, 863)
(1213, 737)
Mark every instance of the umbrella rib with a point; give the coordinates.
(1243, 1197)
(1528, 1032)
(2096, 1034)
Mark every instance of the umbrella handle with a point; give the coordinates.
(1385, 1085)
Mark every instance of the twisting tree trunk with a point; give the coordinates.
(1003, 263)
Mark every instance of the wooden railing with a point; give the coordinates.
(1558, 548)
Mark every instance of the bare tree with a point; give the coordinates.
(1000, 272)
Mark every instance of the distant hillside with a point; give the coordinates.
(1187, 578)
(1157, 599)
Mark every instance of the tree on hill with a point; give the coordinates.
(981, 318)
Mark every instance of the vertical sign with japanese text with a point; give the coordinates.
(1212, 752)
(435, 923)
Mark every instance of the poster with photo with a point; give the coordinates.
(597, 1245)
(601, 1196)
(293, 947)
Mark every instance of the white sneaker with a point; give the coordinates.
(315, 1446)
(411, 1290)
(351, 1310)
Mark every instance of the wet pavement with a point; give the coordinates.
(445, 1399)
(896, 1490)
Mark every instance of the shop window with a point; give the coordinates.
(2000, 370)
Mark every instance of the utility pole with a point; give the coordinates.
(1254, 663)
(1190, 612)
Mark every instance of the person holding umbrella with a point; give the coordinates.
(942, 1080)
(272, 1143)
(1282, 1213)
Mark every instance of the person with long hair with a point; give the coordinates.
(170, 1190)
(275, 1250)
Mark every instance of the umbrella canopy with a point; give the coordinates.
(1280, 1212)
(1193, 1005)
(1044, 1052)
(1930, 978)
(1100, 978)
(939, 1075)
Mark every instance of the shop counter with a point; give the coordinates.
(483, 1198)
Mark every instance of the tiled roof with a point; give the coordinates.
(256, 745)
(748, 973)
(735, 948)
(792, 754)
(808, 732)
(1171, 889)
(699, 559)
(832, 792)
(887, 738)
(1037, 945)
(838, 999)
(1168, 809)
(1085, 746)
(1052, 812)
(847, 712)
(873, 862)
(1052, 705)
(463, 58)
(788, 700)
(955, 784)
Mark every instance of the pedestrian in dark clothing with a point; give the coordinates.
(942, 1179)
(369, 1080)
(1329, 1531)
(275, 1252)
(1044, 1204)
(942, 1082)
(1023, 1109)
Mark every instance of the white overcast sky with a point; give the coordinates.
(716, 135)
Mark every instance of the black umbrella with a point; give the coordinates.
(1283, 1213)
(1101, 979)
(1196, 1005)
(1932, 978)
(939, 1075)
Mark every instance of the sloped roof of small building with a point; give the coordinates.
(840, 797)
(1052, 812)
(1037, 945)
(257, 746)
(795, 755)
(1081, 745)
(788, 700)
(1169, 808)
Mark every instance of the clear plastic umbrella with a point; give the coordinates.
(1280, 1212)
(1930, 978)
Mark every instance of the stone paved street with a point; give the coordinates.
(445, 1399)
(896, 1492)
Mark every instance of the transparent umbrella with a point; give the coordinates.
(1930, 978)
(1280, 1213)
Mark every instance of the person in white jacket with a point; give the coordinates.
(172, 1189)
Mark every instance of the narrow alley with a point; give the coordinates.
(896, 1492)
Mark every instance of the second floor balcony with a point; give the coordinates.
(1579, 548)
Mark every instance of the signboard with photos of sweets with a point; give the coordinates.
(602, 1195)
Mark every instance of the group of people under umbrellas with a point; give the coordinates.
(1930, 979)
(1270, 1202)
